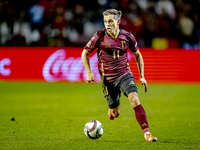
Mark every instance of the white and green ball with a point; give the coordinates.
(93, 129)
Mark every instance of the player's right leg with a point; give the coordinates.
(112, 95)
(114, 113)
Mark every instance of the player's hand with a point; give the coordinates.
(90, 77)
(144, 83)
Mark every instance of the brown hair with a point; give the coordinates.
(117, 14)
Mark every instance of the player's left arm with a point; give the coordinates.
(140, 64)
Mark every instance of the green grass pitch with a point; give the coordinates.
(53, 115)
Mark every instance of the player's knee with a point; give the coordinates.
(115, 112)
(133, 98)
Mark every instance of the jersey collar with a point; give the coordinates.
(120, 32)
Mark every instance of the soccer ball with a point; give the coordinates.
(93, 129)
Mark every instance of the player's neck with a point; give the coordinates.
(115, 33)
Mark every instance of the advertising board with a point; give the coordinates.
(51, 64)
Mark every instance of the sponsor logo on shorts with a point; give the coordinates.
(131, 83)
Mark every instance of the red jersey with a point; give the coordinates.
(112, 53)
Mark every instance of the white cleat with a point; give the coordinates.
(149, 137)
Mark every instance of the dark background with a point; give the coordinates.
(58, 23)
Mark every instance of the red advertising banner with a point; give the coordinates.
(65, 64)
(170, 65)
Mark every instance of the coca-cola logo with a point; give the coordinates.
(4, 67)
(60, 67)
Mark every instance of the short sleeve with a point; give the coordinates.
(93, 43)
(133, 45)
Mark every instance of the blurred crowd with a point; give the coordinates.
(60, 23)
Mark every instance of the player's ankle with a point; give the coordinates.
(146, 133)
(146, 130)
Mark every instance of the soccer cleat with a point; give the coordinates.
(111, 117)
(149, 137)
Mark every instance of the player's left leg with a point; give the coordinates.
(128, 87)
(140, 115)
(139, 111)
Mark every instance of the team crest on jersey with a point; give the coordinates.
(123, 43)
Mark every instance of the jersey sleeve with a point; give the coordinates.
(93, 43)
(133, 46)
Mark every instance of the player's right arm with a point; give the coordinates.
(86, 63)
(90, 47)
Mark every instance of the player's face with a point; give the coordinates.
(111, 24)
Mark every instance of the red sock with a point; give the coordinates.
(141, 118)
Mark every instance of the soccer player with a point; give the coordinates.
(112, 44)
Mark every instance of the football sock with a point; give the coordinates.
(141, 118)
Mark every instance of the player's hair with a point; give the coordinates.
(117, 14)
